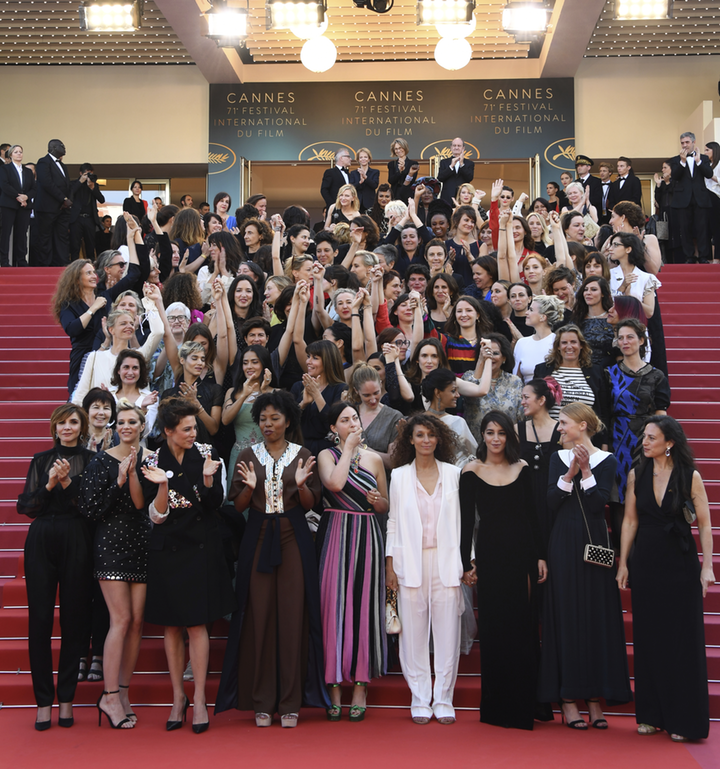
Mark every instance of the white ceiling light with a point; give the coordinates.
(444, 11)
(318, 54)
(110, 16)
(524, 18)
(228, 26)
(643, 9)
(453, 53)
(285, 15)
(457, 31)
(309, 31)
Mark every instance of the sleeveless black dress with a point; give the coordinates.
(671, 682)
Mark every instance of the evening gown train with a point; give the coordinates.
(671, 682)
(507, 549)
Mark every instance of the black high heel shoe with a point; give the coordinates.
(598, 723)
(170, 726)
(579, 725)
(120, 724)
(200, 728)
(132, 716)
(66, 723)
(42, 726)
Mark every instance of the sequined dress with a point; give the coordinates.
(122, 533)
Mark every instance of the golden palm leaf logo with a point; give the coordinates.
(217, 157)
(561, 154)
(565, 152)
(322, 154)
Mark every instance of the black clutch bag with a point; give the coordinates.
(596, 554)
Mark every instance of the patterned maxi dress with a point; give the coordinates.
(352, 581)
(634, 396)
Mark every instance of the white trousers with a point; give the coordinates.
(432, 605)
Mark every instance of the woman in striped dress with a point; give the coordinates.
(352, 556)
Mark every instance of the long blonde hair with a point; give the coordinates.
(355, 200)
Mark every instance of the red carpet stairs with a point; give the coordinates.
(33, 371)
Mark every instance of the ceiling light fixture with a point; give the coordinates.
(318, 54)
(453, 53)
(444, 11)
(111, 16)
(227, 26)
(526, 21)
(309, 31)
(626, 10)
(285, 15)
(457, 31)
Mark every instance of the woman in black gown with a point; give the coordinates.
(189, 585)
(668, 584)
(58, 553)
(509, 560)
(583, 641)
(539, 439)
(112, 495)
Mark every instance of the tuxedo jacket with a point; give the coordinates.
(80, 193)
(52, 186)
(366, 189)
(331, 182)
(405, 529)
(595, 191)
(691, 189)
(631, 190)
(10, 186)
(451, 180)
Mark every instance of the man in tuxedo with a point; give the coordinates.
(17, 189)
(52, 207)
(84, 219)
(627, 186)
(605, 172)
(335, 177)
(691, 199)
(455, 171)
(583, 164)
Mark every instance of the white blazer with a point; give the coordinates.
(405, 533)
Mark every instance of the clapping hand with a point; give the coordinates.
(267, 378)
(311, 387)
(247, 474)
(58, 472)
(303, 472)
(149, 399)
(189, 392)
(154, 474)
(582, 456)
(126, 467)
(210, 467)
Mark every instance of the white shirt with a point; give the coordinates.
(344, 173)
(57, 163)
(18, 168)
(710, 184)
(645, 282)
(529, 353)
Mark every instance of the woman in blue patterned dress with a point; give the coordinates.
(352, 558)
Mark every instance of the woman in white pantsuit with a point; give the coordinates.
(423, 562)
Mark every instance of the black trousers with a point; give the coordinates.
(82, 229)
(53, 244)
(694, 222)
(58, 551)
(15, 222)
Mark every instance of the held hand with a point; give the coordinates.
(303, 472)
(622, 576)
(554, 219)
(154, 475)
(318, 271)
(479, 195)
(247, 474)
(210, 467)
(152, 291)
(504, 218)
(523, 197)
(390, 352)
(358, 300)
(377, 273)
(470, 577)
(542, 571)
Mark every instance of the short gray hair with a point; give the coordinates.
(688, 134)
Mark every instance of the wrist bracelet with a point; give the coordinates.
(355, 315)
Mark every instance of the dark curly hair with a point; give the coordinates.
(173, 409)
(182, 287)
(447, 445)
(512, 442)
(281, 401)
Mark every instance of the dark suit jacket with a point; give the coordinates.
(366, 189)
(52, 186)
(631, 190)
(687, 189)
(79, 194)
(10, 186)
(331, 182)
(451, 180)
(595, 191)
(396, 179)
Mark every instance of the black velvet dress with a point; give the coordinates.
(583, 638)
(188, 581)
(671, 681)
(538, 460)
(507, 549)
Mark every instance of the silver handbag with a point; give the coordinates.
(596, 554)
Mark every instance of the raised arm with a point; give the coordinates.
(507, 265)
(482, 372)
(302, 291)
(562, 253)
(320, 317)
(278, 226)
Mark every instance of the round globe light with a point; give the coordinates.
(309, 31)
(457, 31)
(452, 53)
(318, 54)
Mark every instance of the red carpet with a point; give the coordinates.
(387, 737)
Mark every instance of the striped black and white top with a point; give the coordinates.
(574, 386)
